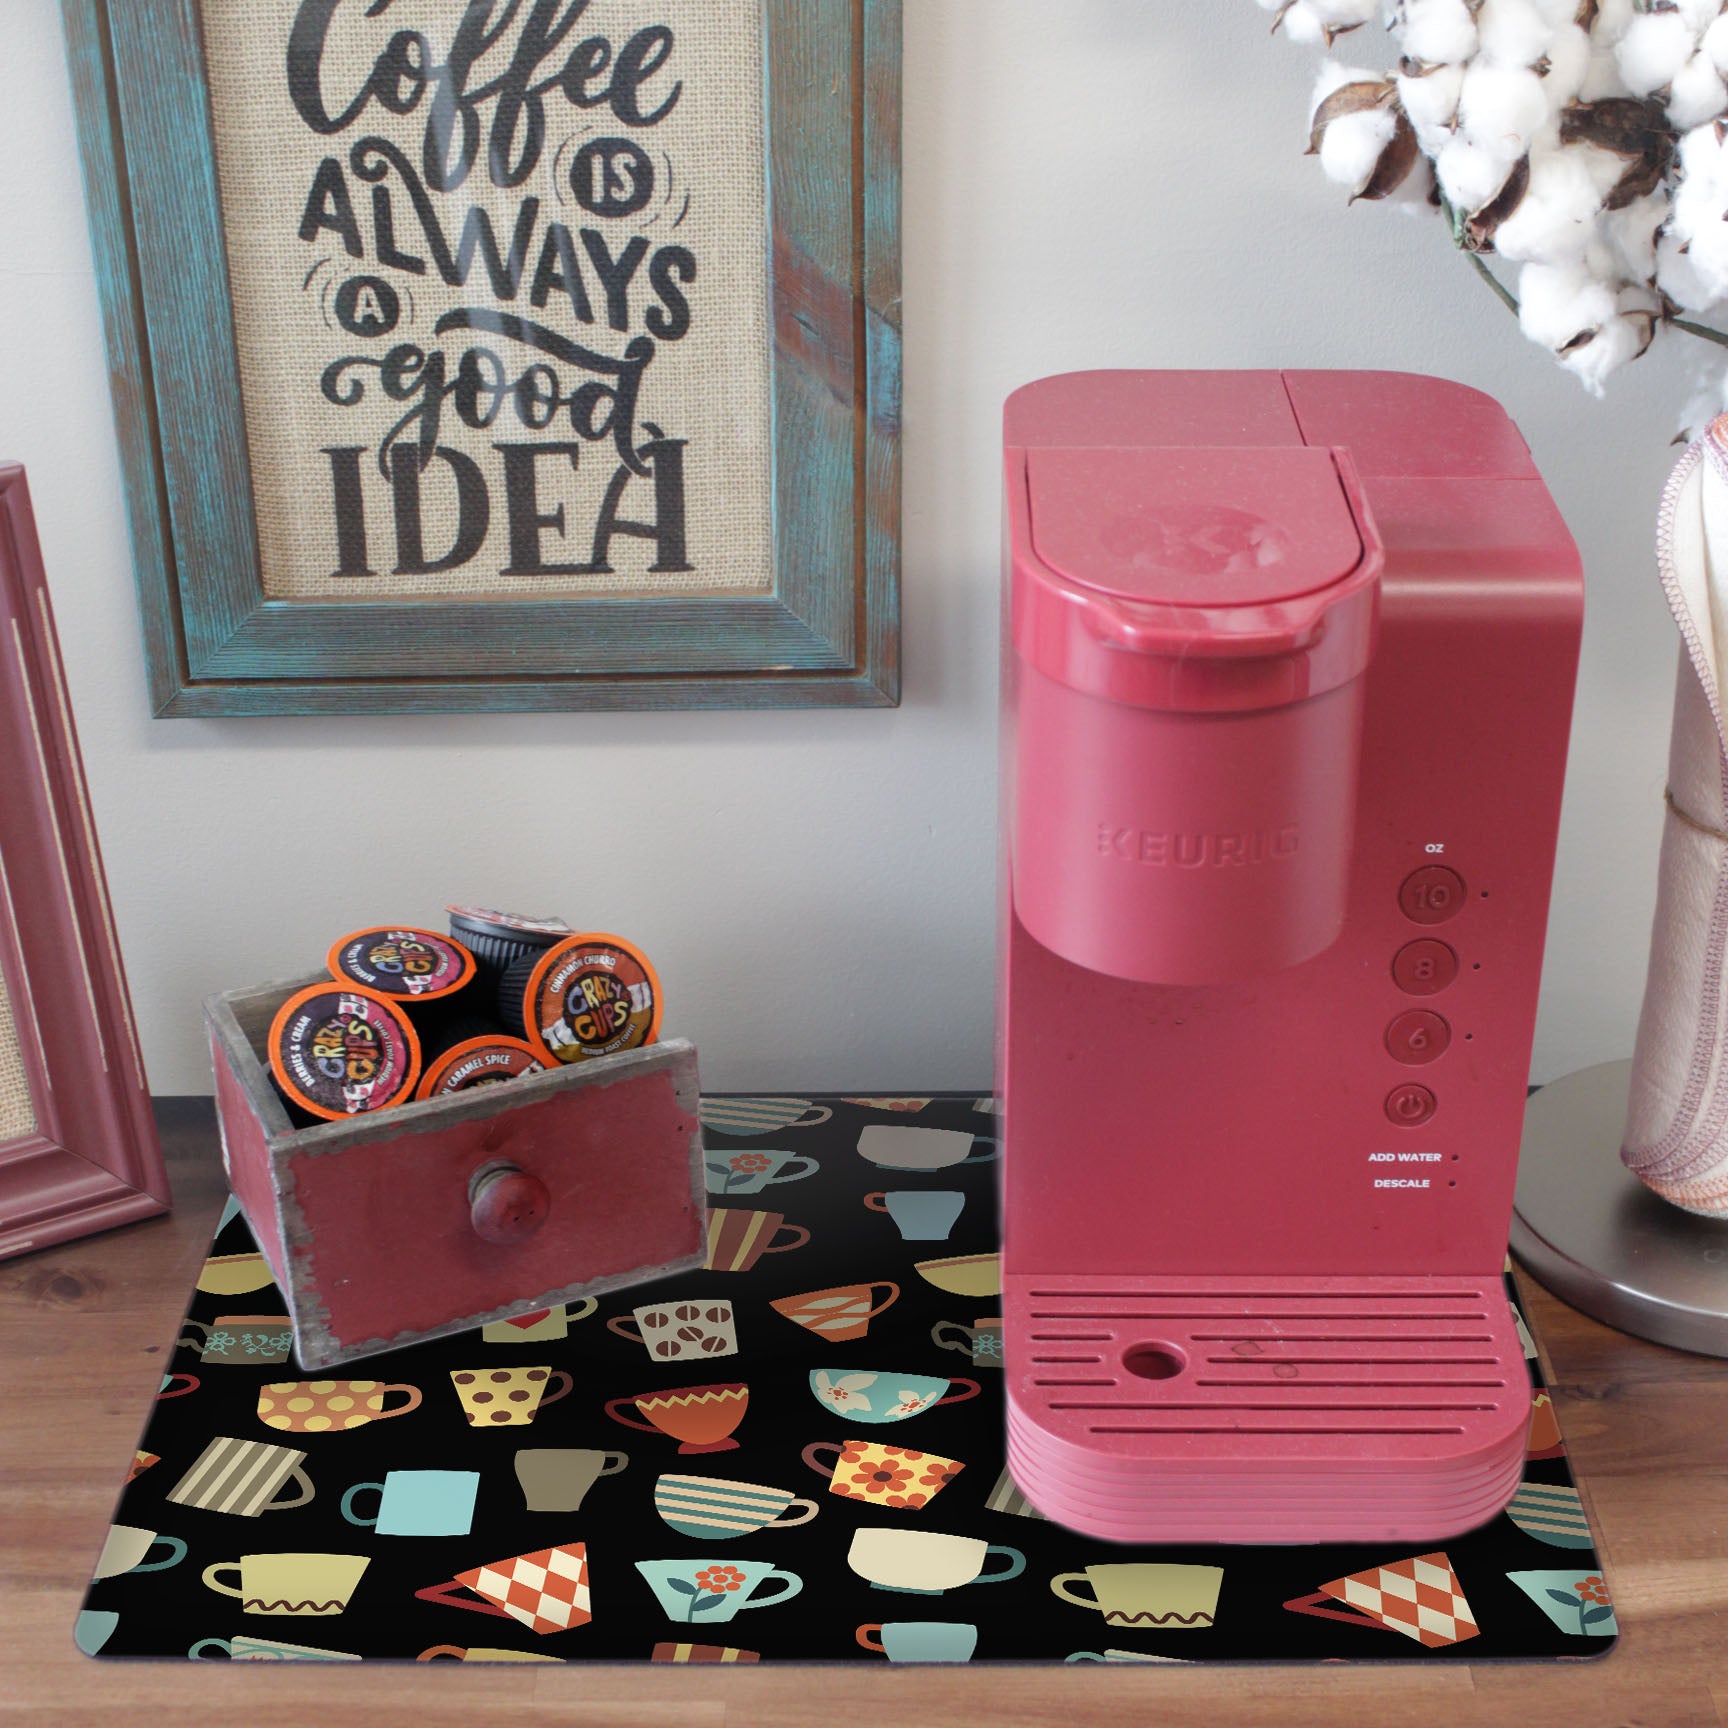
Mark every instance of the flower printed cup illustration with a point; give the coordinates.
(1576, 1602)
(329, 1406)
(1172, 1598)
(898, 1477)
(680, 1331)
(924, 1562)
(243, 1340)
(982, 1340)
(751, 1172)
(706, 1592)
(840, 1313)
(507, 1397)
(861, 1395)
(700, 1418)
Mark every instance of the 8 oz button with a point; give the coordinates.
(1418, 1037)
(1410, 1105)
(1424, 967)
(1431, 895)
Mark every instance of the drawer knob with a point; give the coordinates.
(507, 1205)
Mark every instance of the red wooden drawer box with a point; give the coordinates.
(444, 1216)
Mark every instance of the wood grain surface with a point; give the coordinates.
(85, 1330)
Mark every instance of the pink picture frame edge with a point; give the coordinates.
(93, 1160)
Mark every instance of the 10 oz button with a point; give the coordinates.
(1431, 895)
(1418, 1037)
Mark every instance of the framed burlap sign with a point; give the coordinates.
(502, 354)
(78, 1148)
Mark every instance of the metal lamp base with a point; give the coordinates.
(1589, 1230)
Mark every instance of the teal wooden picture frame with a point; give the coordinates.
(824, 628)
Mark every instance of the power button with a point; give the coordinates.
(1410, 1105)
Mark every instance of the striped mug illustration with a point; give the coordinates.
(739, 1116)
(840, 1312)
(244, 1477)
(737, 1239)
(703, 1506)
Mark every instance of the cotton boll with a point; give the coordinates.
(1613, 18)
(1698, 14)
(1512, 32)
(1344, 14)
(1471, 174)
(1709, 398)
(1414, 195)
(1697, 94)
(1438, 32)
(1707, 253)
(1678, 277)
(1431, 103)
(1568, 63)
(1714, 43)
(1559, 302)
(1302, 24)
(1351, 147)
(1652, 51)
(1602, 76)
(1631, 236)
(1621, 339)
(1556, 217)
(1501, 106)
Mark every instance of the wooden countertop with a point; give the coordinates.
(84, 1330)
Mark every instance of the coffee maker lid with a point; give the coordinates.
(1193, 527)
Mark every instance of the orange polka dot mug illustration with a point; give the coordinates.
(507, 1397)
(329, 1406)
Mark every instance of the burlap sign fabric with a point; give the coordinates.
(501, 316)
(17, 1113)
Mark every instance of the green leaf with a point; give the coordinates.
(1602, 1611)
(1567, 1597)
(707, 1602)
(683, 1586)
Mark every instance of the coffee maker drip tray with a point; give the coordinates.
(1295, 1409)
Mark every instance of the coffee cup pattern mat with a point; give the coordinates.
(795, 1455)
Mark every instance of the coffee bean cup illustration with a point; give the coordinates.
(981, 1341)
(245, 1478)
(557, 1478)
(680, 1331)
(235, 1274)
(701, 1418)
(744, 1116)
(925, 1562)
(476, 1653)
(737, 1239)
(543, 1326)
(864, 1395)
(507, 1397)
(243, 1647)
(127, 1549)
(920, 1640)
(299, 1584)
(920, 1214)
(417, 1503)
(241, 1340)
(1171, 1598)
(841, 1312)
(897, 1477)
(331, 1406)
(751, 1172)
(900, 1146)
(705, 1592)
(713, 1508)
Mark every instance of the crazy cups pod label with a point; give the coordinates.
(486, 921)
(592, 995)
(479, 1062)
(339, 1051)
(417, 964)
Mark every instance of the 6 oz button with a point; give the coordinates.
(1431, 895)
(1418, 1037)
(1410, 1105)
(1424, 967)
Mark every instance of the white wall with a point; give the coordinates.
(1088, 183)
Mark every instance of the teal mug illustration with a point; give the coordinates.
(899, 1146)
(94, 1627)
(713, 1507)
(245, 1477)
(241, 1340)
(243, 1647)
(1575, 1598)
(921, 1214)
(417, 1503)
(127, 1547)
(925, 1562)
(981, 1341)
(705, 1592)
(866, 1395)
(920, 1640)
(751, 1172)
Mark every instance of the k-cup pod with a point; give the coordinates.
(407, 964)
(590, 995)
(339, 1050)
(475, 1062)
(497, 938)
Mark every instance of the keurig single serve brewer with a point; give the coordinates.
(1288, 667)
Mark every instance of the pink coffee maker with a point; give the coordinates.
(1288, 666)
